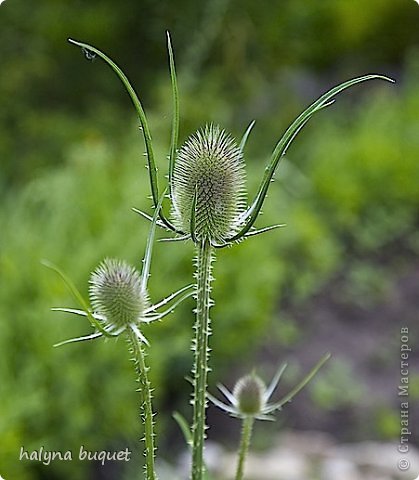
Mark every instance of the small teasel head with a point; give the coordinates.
(250, 395)
(119, 299)
(208, 189)
(117, 294)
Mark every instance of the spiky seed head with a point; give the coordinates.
(249, 393)
(116, 292)
(209, 166)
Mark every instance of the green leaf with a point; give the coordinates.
(175, 118)
(149, 247)
(300, 385)
(152, 169)
(246, 135)
(184, 426)
(78, 296)
(286, 140)
(252, 233)
(79, 339)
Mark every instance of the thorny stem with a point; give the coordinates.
(145, 390)
(201, 349)
(247, 427)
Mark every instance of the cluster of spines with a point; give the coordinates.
(249, 393)
(209, 178)
(117, 293)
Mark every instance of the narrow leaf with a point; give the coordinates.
(78, 297)
(301, 385)
(138, 334)
(77, 312)
(289, 135)
(246, 135)
(159, 316)
(152, 169)
(175, 114)
(252, 233)
(275, 381)
(150, 218)
(79, 339)
(184, 426)
(222, 405)
(226, 392)
(168, 299)
(175, 239)
(149, 246)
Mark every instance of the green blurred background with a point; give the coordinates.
(342, 276)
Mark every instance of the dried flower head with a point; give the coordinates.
(208, 185)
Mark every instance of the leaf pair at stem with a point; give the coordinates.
(212, 152)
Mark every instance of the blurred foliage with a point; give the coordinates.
(72, 167)
(243, 47)
(331, 391)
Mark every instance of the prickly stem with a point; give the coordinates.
(138, 357)
(246, 434)
(201, 349)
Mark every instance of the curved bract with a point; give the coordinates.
(281, 147)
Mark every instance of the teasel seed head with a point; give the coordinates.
(250, 395)
(117, 294)
(209, 177)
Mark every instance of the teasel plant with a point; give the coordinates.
(206, 189)
(249, 401)
(119, 307)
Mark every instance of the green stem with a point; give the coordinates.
(247, 427)
(145, 390)
(201, 348)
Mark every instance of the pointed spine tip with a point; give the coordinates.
(384, 77)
